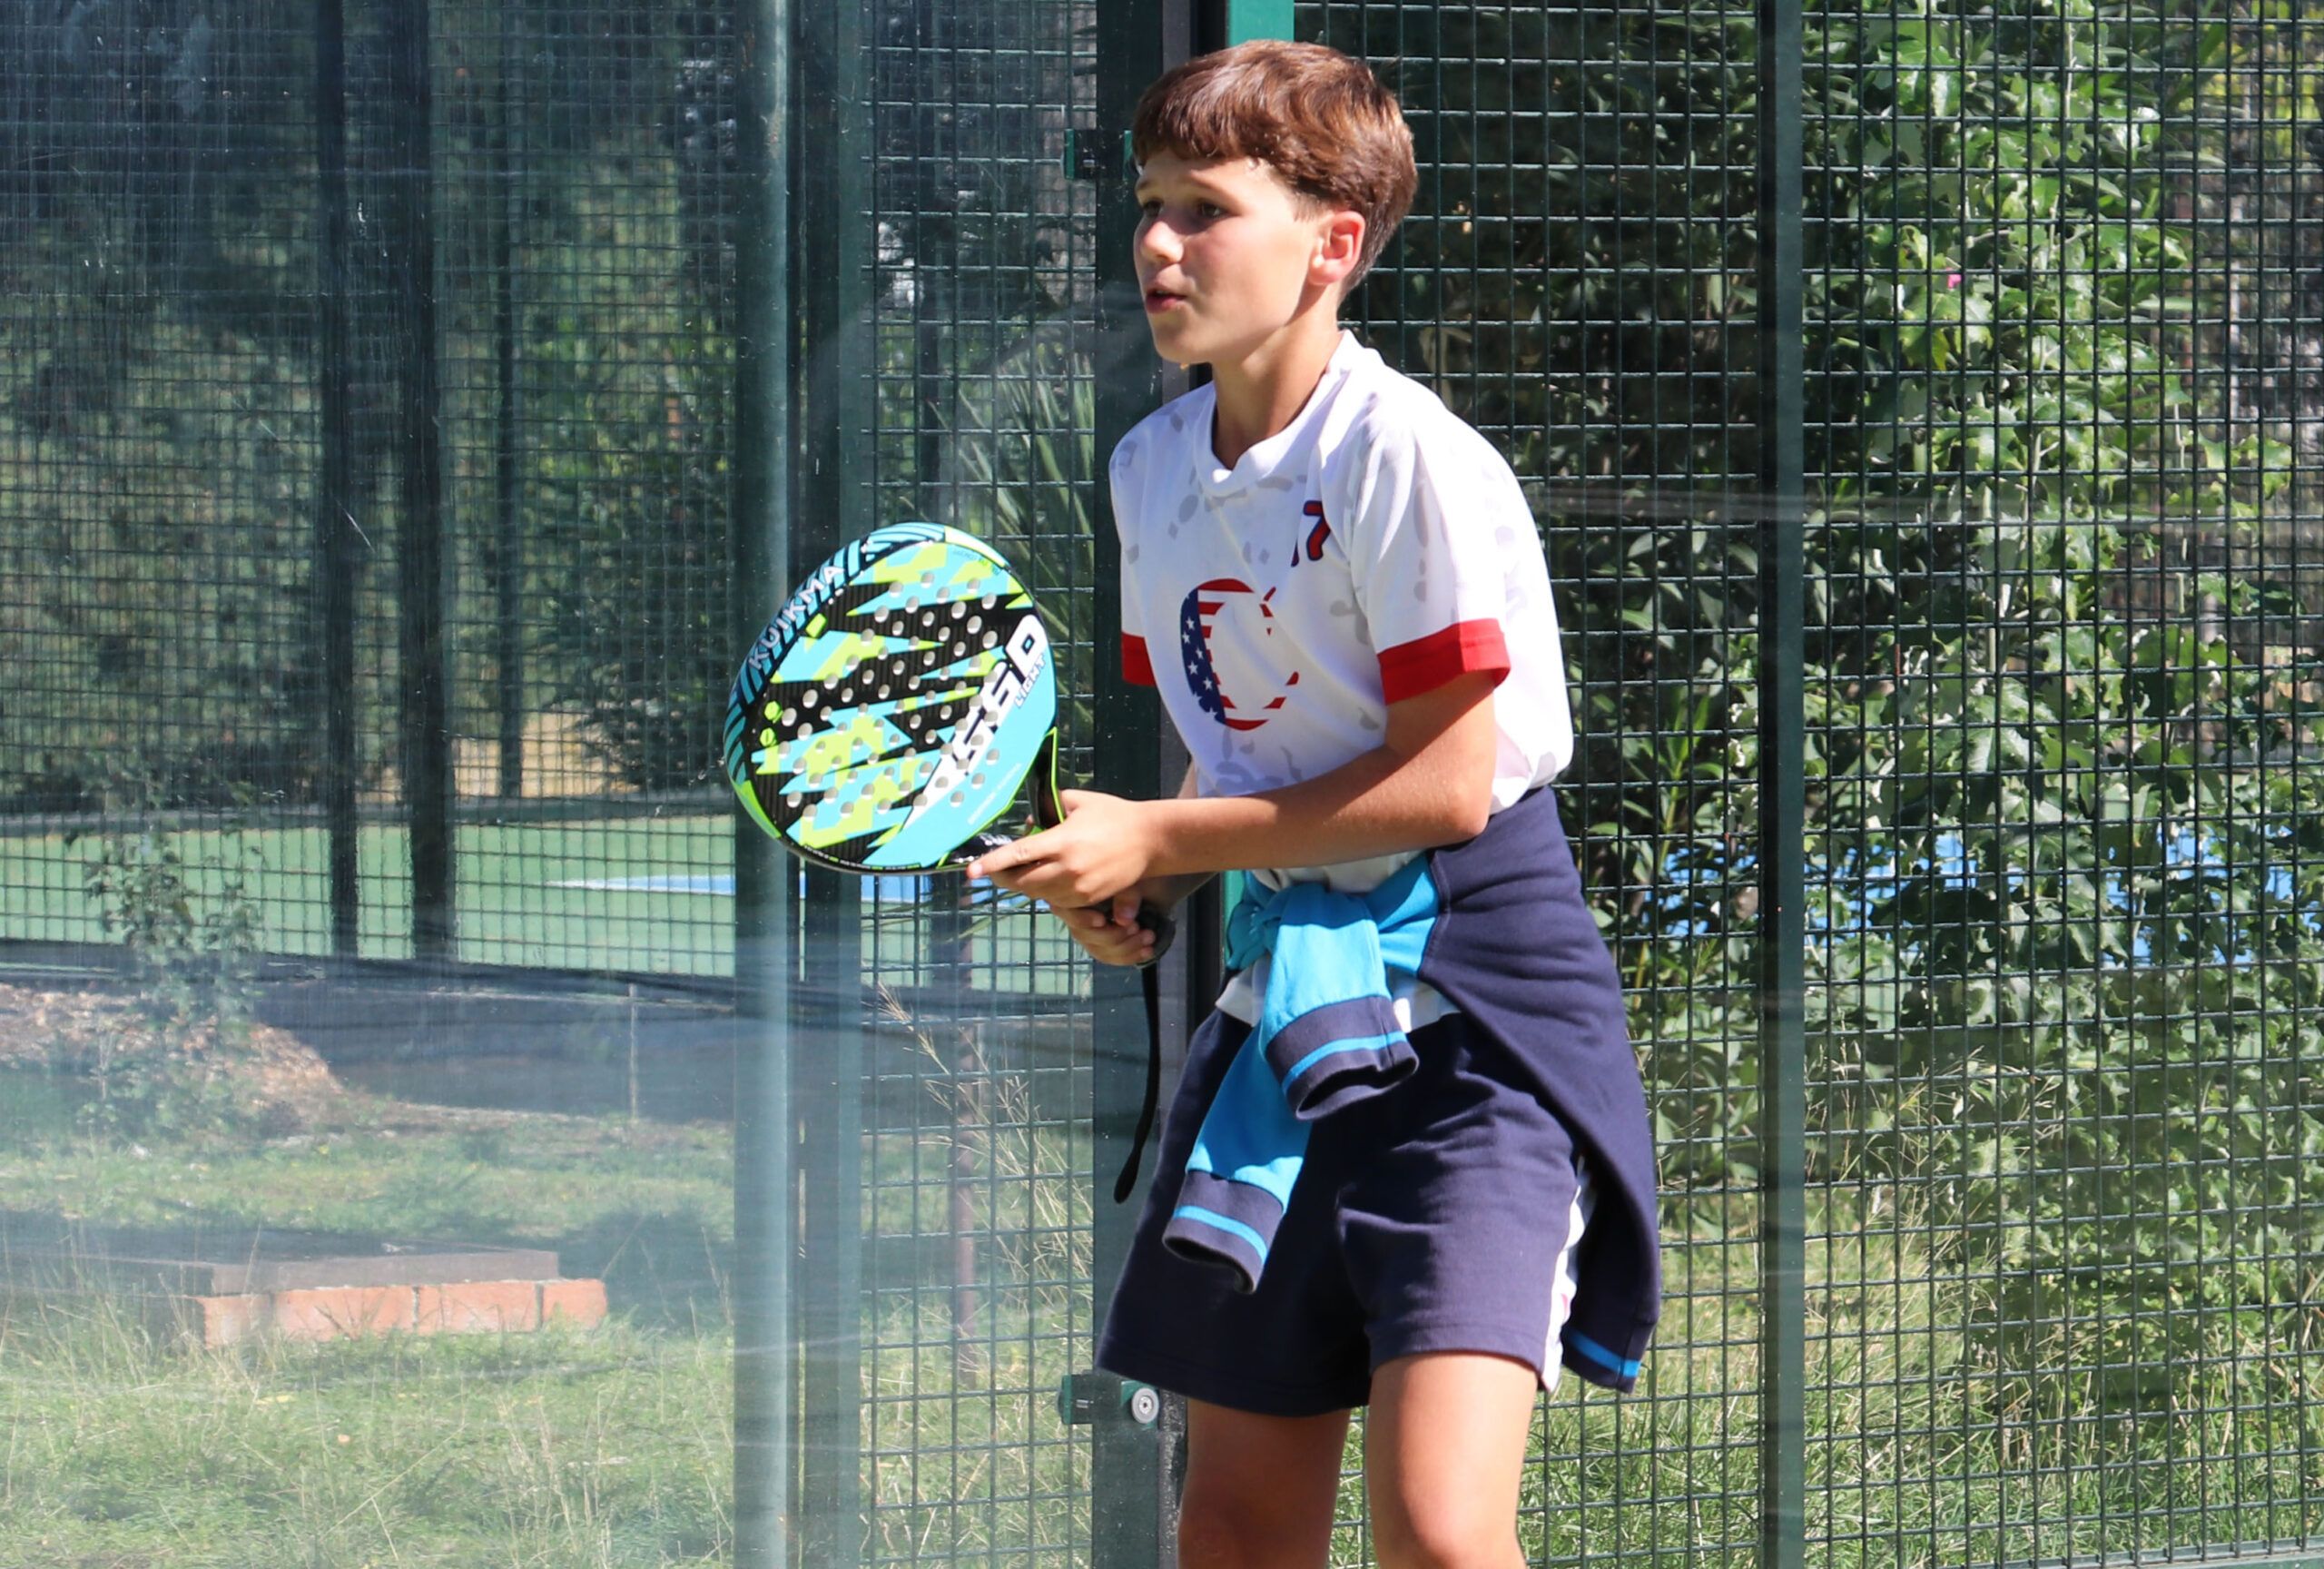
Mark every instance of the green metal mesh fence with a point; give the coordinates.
(2063, 381)
(2058, 648)
(977, 1149)
(462, 472)
(366, 377)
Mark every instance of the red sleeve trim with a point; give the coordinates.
(1137, 669)
(1425, 664)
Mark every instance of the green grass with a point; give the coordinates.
(126, 1446)
(1937, 1435)
(386, 1168)
(609, 1447)
(512, 910)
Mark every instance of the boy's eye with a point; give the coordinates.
(1151, 207)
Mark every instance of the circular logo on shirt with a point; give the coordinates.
(1231, 605)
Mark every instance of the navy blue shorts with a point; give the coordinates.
(1440, 1215)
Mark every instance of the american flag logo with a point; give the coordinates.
(1199, 619)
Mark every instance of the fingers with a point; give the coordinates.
(1040, 868)
(1008, 857)
(1065, 867)
(1107, 939)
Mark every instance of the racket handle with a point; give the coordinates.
(1165, 930)
(1048, 811)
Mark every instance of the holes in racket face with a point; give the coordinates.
(883, 671)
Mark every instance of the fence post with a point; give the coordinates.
(1132, 1470)
(1225, 23)
(1782, 828)
(507, 489)
(426, 753)
(335, 529)
(766, 1134)
(831, 274)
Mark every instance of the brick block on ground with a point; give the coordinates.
(478, 1305)
(218, 1288)
(577, 1304)
(223, 1320)
(332, 1312)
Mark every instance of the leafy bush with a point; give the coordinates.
(190, 956)
(2064, 814)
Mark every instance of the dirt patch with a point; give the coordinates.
(269, 1072)
(285, 1084)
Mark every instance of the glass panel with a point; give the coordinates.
(977, 1143)
(323, 1240)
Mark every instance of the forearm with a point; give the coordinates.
(1376, 803)
(1170, 890)
(1429, 783)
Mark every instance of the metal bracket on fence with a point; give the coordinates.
(1085, 1399)
(1084, 154)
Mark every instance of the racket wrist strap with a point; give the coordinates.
(1150, 983)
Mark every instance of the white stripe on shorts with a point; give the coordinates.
(1564, 1280)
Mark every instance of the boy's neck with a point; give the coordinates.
(1264, 391)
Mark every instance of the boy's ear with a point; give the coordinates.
(1339, 244)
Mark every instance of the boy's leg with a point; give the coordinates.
(1444, 1447)
(1259, 1489)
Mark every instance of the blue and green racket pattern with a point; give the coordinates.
(893, 708)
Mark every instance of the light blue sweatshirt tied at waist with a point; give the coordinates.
(1326, 1038)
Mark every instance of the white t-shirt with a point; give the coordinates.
(1373, 549)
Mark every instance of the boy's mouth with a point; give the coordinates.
(1159, 299)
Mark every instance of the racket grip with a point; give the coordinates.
(1165, 930)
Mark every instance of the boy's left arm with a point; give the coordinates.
(1429, 783)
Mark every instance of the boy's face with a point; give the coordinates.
(1228, 254)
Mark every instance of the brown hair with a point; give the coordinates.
(1319, 119)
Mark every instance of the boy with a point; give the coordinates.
(1409, 1164)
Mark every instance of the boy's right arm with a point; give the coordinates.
(1111, 934)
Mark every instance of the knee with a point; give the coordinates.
(1442, 1533)
(1227, 1528)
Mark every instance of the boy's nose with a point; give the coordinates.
(1158, 240)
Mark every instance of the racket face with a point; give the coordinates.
(895, 704)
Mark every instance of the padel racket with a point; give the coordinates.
(895, 704)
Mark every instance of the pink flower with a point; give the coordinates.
(1953, 279)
